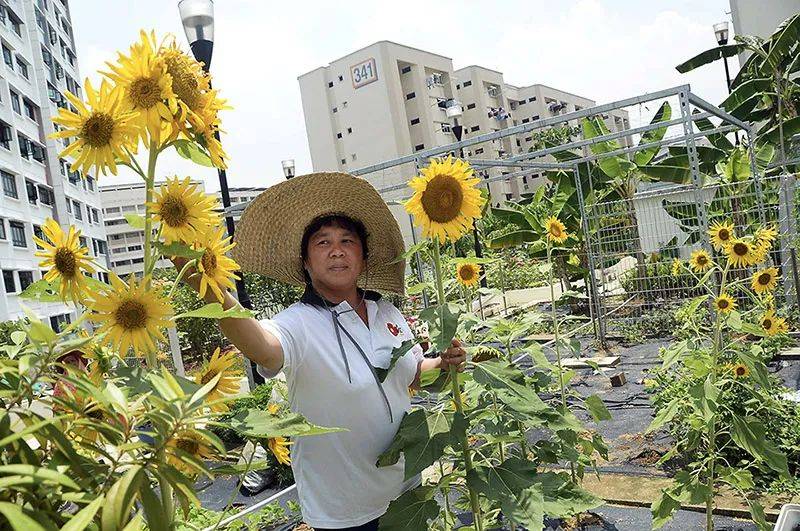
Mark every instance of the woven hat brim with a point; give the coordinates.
(269, 233)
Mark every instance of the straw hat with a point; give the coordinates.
(269, 233)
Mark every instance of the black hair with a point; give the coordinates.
(332, 220)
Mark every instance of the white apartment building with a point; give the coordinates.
(126, 243)
(388, 100)
(241, 195)
(39, 66)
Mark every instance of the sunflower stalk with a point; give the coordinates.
(465, 449)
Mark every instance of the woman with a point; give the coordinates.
(333, 234)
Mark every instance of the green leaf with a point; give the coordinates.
(508, 485)
(135, 220)
(663, 508)
(419, 288)
(709, 56)
(153, 509)
(664, 114)
(666, 173)
(397, 353)
(442, 322)
(597, 408)
(418, 247)
(428, 377)
(422, 438)
(790, 128)
(784, 40)
(36, 426)
(412, 511)
(758, 516)
(214, 311)
(749, 434)
(178, 249)
(18, 520)
(665, 415)
(38, 332)
(191, 151)
(120, 498)
(18, 337)
(262, 424)
(39, 474)
(84, 517)
(512, 239)
(42, 291)
(745, 92)
(675, 352)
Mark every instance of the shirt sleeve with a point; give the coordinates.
(289, 329)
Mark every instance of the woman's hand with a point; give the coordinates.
(189, 276)
(455, 356)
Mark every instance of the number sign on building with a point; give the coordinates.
(364, 73)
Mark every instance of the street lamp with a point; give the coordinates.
(288, 168)
(454, 110)
(721, 33)
(197, 17)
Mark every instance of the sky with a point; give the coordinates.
(605, 50)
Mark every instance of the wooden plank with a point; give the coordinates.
(580, 363)
(789, 354)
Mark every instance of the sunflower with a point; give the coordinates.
(468, 273)
(102, 127)
(772, 324)
(700, 261)
(741, 253)
(183, 211)
(188, 443)
(724, 303)
(132, 314)
(273, 408)
(227, 384)
(556, 231)
(280, 449)
(189, 83)
(215, 268)
(209, 128)
(766, 235)
(677, 265)
(65, 259)
(765, 280)
(446, 200)
(740, 370)
(146, 86)
(721, 234)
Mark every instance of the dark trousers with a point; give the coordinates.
(369, 526)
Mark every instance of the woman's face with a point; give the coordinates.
(335, 258)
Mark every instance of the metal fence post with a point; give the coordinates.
(595, 311)
(762, 212)
(694, 166)
(788, 238)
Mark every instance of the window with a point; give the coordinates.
(528, 138)
(330, 84)
(69, 205)
(30, 109)
(458, 86)
(526, 120)
(335, 109)
(113, 222)
(508, 197)
(349, 130)
(57, 322)
(470, 106)
(30, 189)
(475, 128)
(479, 151)
(338, 135)
(410, 96)
(520, 104)
(419, 147)
(344, 161)
(46, 196)
(5, 135)
(414, 121)
(116, 237)
(532, 98)
(467, 83)
(135, 248)
(535, 117)
(77, 210)
(519, 144)
(8, 281)
(405, 70)
(25, 279)
(22, 66)
(7, 57)
(2, 229)
(83, 241)
(16, 23)
(18, 234)
(90, 182)
(95, 215)
(99, 246)
(137, 260)
(15, 102)
(24, 146)
(9, 184)
(111, 210)
(37, 231)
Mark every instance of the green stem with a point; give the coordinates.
(148, 230)
(557, 341)
(445, 494)
(235, 491)
(180, 276)
(473, 496)
(166, 498)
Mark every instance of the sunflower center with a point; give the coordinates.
(209, 262)
(767, 324)
(207, 377)
(145, 92)
(466, 273)
(702, 260)
(174, 211)
(724, 234)
(184, 83)
(65, 262)
(740, 371)
(131, 315)
(722, 304)
(98, 129)
(555, 231)
(190, 446)
(442, 199)
(740, 249)
(764, 279)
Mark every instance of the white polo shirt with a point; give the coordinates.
(337, 480)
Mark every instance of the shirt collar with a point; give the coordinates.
(310, 296)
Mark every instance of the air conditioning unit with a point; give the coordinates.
(493, 91)
(446, 128)
(433, 80)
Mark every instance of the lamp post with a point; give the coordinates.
(288, 168)
(454, 110)
(197, 17)
(721, 33)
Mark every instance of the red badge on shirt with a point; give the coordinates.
(393, 328)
